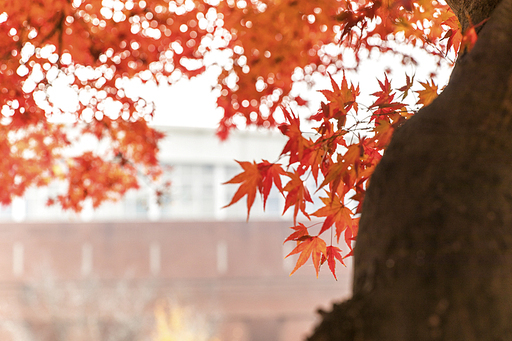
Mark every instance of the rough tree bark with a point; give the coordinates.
(433, 259)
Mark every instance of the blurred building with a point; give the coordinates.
(99, 275)
(196, 162)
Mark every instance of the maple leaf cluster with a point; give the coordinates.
(340, 168)
(349, 141)
(260, 49)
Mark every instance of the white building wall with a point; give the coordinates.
(196, 163)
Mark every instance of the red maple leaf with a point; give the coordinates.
(351, 234)
(408, 85)
(333, 253)
(270, 174)
(469, 39)
(339, 102)
(300, 101)
(383, 132)
(297, 195)
(300, 231)
(337, 171)
(296, 142)
(453, 35)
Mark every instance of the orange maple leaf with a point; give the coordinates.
(309, 246)
(428, 94)
(250, 180)
(256, 177)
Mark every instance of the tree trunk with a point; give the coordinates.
(433, 259)
(472, 12)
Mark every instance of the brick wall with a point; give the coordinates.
(102, 281)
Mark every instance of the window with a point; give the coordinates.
(192, 192)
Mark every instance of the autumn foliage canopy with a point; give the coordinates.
(94, 48)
